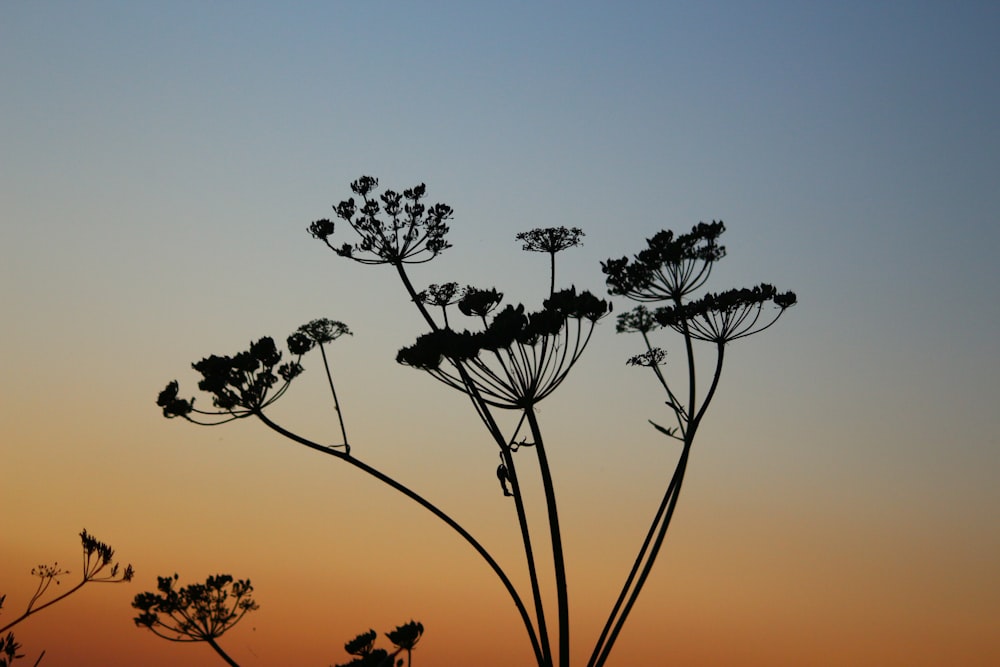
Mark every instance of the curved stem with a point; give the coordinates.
(543, 653)
(401, 270)
(720, 354)
(562, 594)
(433, 509)
(627, 586)
(670, 499)
(670, 502)
(29, 611)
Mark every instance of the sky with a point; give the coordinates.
(160, 165)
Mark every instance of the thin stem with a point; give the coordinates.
(720, 353)
(562, 594)
(542, 653)
(674, 403)
(552, 274)
(218, 649)
(637, 563)
(29, 611)
(336, 403)
(401, 270)
(670, 499)
(433, 509)
(536, 594)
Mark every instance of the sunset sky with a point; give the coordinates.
(159, 165)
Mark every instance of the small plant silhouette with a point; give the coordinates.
(97, 558)
(508, 360)
(362, 647)
(196, 612)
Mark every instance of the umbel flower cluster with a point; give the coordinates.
(196, 612)
(670, 269)
(393, 228)
(245, 383)
(518, 358)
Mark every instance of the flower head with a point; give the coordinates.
(324, 330)
(248, 381)
(362, 644)
(393, 228)
(241, 381)
(637, 320)
(406, 636)
(440, 295)
(670, 267)
(583, 305)
(173, 406)
(550, 239)
(654, 356)
(196, 612)
(519, 358)
(728, 315)
(479, 302)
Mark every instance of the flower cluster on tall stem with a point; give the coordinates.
(517, 359)
(551, 240)
(669, 271)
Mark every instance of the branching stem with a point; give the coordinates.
(429, 506)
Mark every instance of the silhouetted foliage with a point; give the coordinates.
(196, 612)
(510, 360)
(97, 557)
(9, 647)
(362, 647)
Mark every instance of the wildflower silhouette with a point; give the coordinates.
(669, 270)
(98, 557)
(509, 358)
(196, 612)
(404, 638)
(551, 240)
(9, 647)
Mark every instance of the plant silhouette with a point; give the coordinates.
(404, 638)
(196, 612)
(508, 359)
(97, 558)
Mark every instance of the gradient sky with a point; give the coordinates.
(160, 162)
